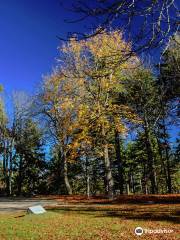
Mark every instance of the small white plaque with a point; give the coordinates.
(36, 209)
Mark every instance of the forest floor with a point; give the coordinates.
(79, 218)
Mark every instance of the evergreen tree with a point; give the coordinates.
(30, 159)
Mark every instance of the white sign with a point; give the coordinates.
(36, 209)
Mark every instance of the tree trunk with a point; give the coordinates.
(119, 162)
(88, 186)
(11, 165)
(163, 167)
(107, 163)
(132, 183)
(20, 175)
(141, 186)
(10, 174)
(87, 179)
(150, 161)
(127, 188)
(66, 179)
(109, 178)
(5, 170)
(169, 182)
(7, 167)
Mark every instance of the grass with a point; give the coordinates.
(103, 222)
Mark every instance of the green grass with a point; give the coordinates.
(109, 222)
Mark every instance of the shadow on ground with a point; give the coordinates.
(158, 212)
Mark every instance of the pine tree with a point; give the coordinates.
(30, 162)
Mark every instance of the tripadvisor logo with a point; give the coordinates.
(138, 231)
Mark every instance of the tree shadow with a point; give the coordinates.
(158, 212)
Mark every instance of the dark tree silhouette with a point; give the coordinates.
(148, 24)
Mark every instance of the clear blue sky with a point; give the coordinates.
(28, 39)
(28, 42)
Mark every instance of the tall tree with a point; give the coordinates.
(30, 160)
(80, 93)
(168, 85)
(142, 95)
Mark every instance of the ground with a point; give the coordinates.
(79, 218)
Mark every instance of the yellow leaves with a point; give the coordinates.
(67, 104)
(105, 51)
(82, 110)
(105, 84)
(72, 46)
(108, 45)
(119, 126)
(80, 92)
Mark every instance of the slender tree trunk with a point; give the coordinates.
(127, 188)
(10, 174)
(132, 183)
(141, 186)
(150, 162)
(105, 183)
(88, 186)
(87, 179)
(144, 184)
(4, 164)
(66, 179)
(169, 181)
(146, 189)
(7, 167)
(109, 177)
(11, 165)
(169, 175)
(163, 167)
(20, 175)
(119, 162)
(144, 179)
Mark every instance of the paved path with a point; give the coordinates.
(21, 204)
(13, 205)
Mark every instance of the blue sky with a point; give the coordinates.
(28, 39)
(28, 42)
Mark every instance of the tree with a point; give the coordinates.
(3, 134)
(79, 95)
(4, 146)
(168, 84)
(170, 70)
(20, 148)
(21, 112)
(3, 118)
(56, 103)
(147, 24)
(142, 95)
(30, 161)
